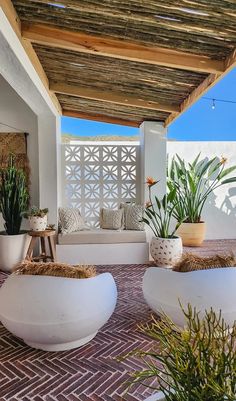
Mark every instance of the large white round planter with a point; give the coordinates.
(166, 251)
(37, 223)
(13, 250)
(55, 313)
(164, 288)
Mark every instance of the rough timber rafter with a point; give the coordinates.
(14, 20)
(210, 81)
(100, 118)
(111, 97)
(61, 38)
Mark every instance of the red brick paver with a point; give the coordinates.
(90, 373)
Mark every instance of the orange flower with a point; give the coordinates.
(223, 160)
(150, 181)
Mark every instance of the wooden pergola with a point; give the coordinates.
(126, 61)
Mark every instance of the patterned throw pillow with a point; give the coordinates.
(70, 220)
(111, 219)
(133, 215)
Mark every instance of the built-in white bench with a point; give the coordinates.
(103, 247)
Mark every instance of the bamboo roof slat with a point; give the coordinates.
(195, 41)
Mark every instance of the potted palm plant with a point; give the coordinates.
(194, 182)
(165, 247)
(197, 362)
(14, 198)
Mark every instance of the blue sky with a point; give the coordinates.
(200, 122)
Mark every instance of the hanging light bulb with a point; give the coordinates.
(213, 106)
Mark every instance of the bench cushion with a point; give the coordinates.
(102, 236)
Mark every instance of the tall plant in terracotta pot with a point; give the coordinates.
(194, 182)
(14, 198)
(165, 247)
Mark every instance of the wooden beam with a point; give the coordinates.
(111, 97)
(208, 83)
(76, 41)
(14, 20)
(100, 118)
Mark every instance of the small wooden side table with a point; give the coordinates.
(49, 234)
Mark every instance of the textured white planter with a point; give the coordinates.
(166, 251)
(37, 223)
(55, 313)
(164, 288)
(13, 249)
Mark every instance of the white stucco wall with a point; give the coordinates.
(14, 112)
(220, 210)
(17, 69)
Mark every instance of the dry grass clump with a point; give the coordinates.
(190, 262)
(55, 269)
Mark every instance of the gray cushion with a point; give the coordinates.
(70, 220)
(102, 236)
(111, 219)
(133, 215)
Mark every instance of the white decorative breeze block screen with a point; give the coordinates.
(96, 176)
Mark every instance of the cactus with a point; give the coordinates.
(14, 196)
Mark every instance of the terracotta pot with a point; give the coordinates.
(37, 223)
(192, 234)
(166, 251)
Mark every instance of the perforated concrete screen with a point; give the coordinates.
(96, 176)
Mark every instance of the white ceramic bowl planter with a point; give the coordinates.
(164, 288)
(13, 249)
(38, 223)
(166, 251)
(56, 313)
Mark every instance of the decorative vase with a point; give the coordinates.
(166, 251)
(38, 223)
(13, 250)
(192, 234)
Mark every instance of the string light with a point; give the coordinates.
(214, 100)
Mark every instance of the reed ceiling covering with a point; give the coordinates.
(130, 60)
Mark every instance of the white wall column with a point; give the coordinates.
(153, 157)
(49, 164)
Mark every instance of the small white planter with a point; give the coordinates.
(166, 251)
(56, 313)
(37, 223)
(13, 250)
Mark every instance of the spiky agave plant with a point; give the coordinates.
(197, 363)
(14, 196)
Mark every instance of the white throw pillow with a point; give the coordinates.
(70, 220)
(133, 215)
(111, 219)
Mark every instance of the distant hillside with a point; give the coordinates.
(66, 138)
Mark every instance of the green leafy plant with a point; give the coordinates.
(14, 196)
(196, 363)
(194, 182)
(158, 213)
(36, 212)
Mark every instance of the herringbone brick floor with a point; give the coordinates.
(90, 373)
(87, 373)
